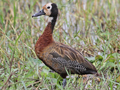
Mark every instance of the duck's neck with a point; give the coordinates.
(50, 26)
(51, 21)
(46, 38)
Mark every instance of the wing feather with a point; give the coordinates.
(62, 56)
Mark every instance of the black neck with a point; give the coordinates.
(53, 22)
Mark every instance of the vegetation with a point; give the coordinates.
(91, 26)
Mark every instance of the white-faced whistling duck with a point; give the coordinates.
(57, 56)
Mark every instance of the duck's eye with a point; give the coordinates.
(48, 7)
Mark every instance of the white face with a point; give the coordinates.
(47, 9)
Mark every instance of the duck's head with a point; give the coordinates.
(49, 9)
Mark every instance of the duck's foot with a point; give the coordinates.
(64, 82)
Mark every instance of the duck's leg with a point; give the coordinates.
(64, 82)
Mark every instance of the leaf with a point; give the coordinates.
(111, 58)
(118, 79)
(18, 37)
(91, 59)
(24, 85)
(98, 57)
(30, 74)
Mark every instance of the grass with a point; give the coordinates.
(92, 27)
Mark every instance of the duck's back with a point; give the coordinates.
(60, 57)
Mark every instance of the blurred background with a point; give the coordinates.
(90, 26)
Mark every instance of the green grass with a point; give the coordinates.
(95, 32)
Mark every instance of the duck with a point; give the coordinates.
(57, 56)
